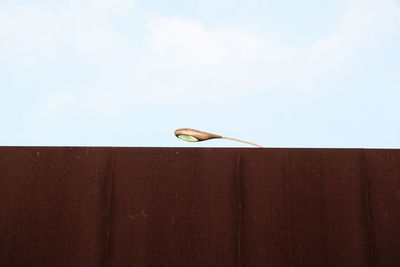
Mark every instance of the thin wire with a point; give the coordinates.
(242, 141)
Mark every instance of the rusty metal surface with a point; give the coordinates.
(63, 206)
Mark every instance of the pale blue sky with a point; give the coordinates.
(129, 72)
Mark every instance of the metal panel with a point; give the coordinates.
(64, 206)
(52, 205)
(382, 178)
(303, 207)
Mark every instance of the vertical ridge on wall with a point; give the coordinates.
(365, 184)
(108, 212)
(238, 192)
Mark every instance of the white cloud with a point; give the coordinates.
(106, 102)
(365, 22)
(183, 60)
(54, 110)
(187, 58)
(27, 33)
(104, 7)
(94, 40)
(33, 34)
(58, 101)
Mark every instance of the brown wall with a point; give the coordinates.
(199, 207)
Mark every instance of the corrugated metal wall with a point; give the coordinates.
(199, 207)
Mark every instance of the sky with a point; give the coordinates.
(129, 72)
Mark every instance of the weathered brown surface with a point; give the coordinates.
(199, 207)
